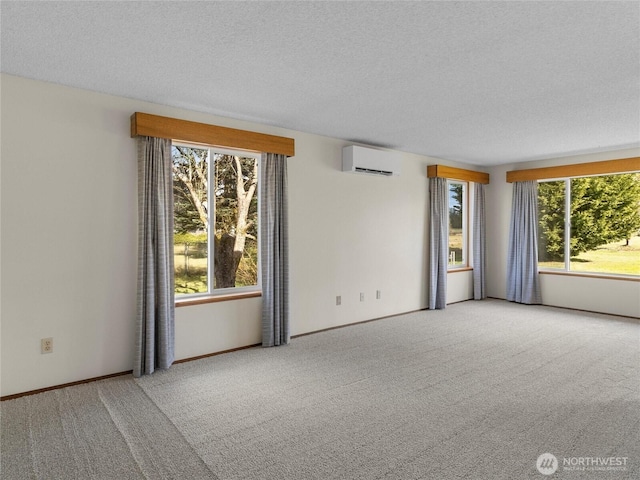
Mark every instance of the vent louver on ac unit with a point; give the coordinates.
(369, 161)
(388, 173)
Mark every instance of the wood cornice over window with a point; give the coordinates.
(145, 124)
(452, 173)
(622, 165)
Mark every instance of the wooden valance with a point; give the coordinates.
(452, 173)
(623, 165)
(145, 124)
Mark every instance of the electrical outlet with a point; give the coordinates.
(338, 300)
(46, 345)
(362, 297)
(377, 294)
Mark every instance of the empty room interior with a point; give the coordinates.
(380, 240)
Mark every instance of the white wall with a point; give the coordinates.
(68, 235)
(459, 286)
(68, 222)
(617, 297)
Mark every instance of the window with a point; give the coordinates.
(590, 224)
(215, 220)
(457, 224)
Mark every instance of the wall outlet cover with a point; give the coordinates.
(46, 345)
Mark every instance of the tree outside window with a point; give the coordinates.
(590, 224)
(215, 219)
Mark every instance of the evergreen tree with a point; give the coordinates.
(604, 209)
(455, 207)
(551, 207)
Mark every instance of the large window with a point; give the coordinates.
(590, 224)
(457, 224)
(215, 220)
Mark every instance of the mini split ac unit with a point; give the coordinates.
(369, 161)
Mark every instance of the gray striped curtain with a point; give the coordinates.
(438, 242)
(154, 344)
(274, 249)
(479, 243)
(523, 285)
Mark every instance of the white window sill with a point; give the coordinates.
(185, 302)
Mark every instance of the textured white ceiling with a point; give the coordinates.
(480, 82)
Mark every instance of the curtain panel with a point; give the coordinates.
(154, 343)
(523, 285)
(274, 249)
(479, 243)
(438, 242)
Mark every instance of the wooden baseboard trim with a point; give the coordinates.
(64, 385)
(356, 323)
(207, 355)
(112, 375)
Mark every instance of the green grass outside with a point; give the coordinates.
(455, 246)
(616, 258)
(195, 281)
(190, 274)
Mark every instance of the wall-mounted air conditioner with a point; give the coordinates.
(369, 161)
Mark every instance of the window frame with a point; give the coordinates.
(472, 177)
(465, 225)
(566, 270)
(227, 293)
